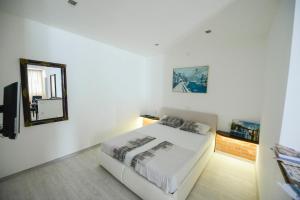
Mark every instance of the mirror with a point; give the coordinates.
(44, 92)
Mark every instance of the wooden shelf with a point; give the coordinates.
(232, 145)
(150, 117)
(227, 134)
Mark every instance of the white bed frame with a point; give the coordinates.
(148, 191)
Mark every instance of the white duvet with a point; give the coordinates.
(167, 169)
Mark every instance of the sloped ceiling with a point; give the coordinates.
(136, 25)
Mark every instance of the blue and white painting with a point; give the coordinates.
(248, 130)
(190, 79)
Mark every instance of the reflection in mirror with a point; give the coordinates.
(53, 85)
(45, 92)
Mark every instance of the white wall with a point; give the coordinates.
(247, 79)
(277, 64)
(290, 134)
(236, 70)
(105, 91)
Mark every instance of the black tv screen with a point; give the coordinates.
(11, 111)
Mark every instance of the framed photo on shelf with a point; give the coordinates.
(248, 130)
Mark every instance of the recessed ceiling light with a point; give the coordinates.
(72, 2)
(156, 44)
(208, 31)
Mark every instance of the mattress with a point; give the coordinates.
(190, 141)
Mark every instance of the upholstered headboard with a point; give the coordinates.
(206, 118)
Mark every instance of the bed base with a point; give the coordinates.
(148, 191)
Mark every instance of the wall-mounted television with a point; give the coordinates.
(10, 125)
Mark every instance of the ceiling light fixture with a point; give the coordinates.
(208, 31)
(72, 2)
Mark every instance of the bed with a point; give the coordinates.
(197, 148)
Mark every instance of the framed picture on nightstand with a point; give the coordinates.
(248, 130)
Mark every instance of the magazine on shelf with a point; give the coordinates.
(296, 188)
(286, 153)
(291, 190)
(289, 162)
(292, 171)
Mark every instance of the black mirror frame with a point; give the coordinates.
(25, 94)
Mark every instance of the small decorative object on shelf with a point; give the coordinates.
(289, 163)
(149, 119)
(237, 146)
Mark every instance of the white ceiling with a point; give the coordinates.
(136, 25)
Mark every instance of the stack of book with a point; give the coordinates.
(289, 163)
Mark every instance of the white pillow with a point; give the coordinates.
(174, 122)
(195, 127)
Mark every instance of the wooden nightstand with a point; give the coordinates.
(235, 146)
(148, 119)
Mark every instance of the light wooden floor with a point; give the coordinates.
(81, 178)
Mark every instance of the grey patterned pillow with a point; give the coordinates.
(195, 127)
(174, 122)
